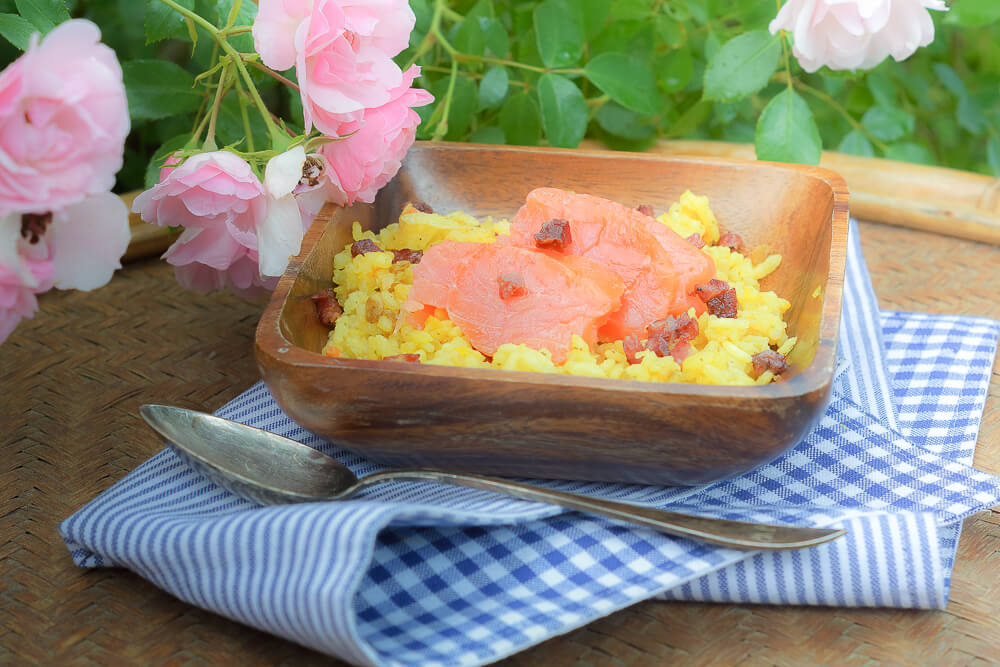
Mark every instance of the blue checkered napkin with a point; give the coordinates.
(928, 375)
(418, 574)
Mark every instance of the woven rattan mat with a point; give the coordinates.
(73, 378)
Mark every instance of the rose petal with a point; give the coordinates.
(87, 241)
(279, 236)
(284, 172)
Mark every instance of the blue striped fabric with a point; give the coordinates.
(418, 574)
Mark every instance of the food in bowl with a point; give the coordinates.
(574, 284)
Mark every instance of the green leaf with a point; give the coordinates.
(691, 119)
(670, 31)
(152, 176)
(698, 11)
(43, 14)
(787, 132)
(625, 79)
(740, 131)
(742, 66)
(621, 122)
(909, 152)
(463, 108)
(162, 22)
(883, 88)
(295, 114)
(970, 13)
(727, 112)
(993, 154)
(856, 143)
(482, 9)
(520, 120)
(497, 39)
(245, 16)
(950, 79)
(675, 70)
(488, 135)
(678, 10)
(158, 88)
(230, 130)
(469, 37)
(970, 115)
(16, 30)
(564, 111)
(887, 124)
(526, 53)
(593, 15)
(612, 38)
(423, 12)
(630, 10)
(493, 87)
(425, 130)
(712, 46)
(559, 33)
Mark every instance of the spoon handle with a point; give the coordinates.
(733, 534)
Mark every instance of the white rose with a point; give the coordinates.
(856, 34)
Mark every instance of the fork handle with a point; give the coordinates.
(724, 532)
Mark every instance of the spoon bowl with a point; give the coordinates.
(272, 470)
(252, 463)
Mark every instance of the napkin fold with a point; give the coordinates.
(412, 573)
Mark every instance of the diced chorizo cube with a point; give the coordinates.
(327, 308)
(733, 241)
(696, 240)
(769, 360)
(363, 247)
(553, 234)
(511, 285)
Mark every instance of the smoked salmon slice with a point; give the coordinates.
(434, 277)
(498, 293)
(658, 268)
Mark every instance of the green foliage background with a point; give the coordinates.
(626, 72)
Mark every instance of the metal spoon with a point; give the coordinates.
(273, 470)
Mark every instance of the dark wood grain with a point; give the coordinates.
(557, 426)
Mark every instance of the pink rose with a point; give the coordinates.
(25, 271)
(360, 165)
(856, 34)
(238, 232)
(63, 120)
(383, 24)
(342, 51)
(219, 201)
(76, 247)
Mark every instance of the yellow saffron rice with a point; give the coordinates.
(372, 289)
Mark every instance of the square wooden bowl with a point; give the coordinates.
(555, 426)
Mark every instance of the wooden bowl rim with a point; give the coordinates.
(817, 376)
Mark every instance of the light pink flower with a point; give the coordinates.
(342, 51)
(856, 34)
(25, 270)
(274, 30)
(238, 232)
(63, 120)
(360, 165)
(77, 247)
(383, 24)
(219, 201)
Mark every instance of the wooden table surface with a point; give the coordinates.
(72, 379)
